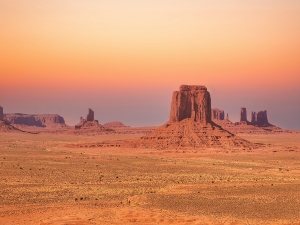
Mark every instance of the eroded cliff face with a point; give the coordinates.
(39, 120)
(193, 102)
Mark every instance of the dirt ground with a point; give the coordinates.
(43, 181)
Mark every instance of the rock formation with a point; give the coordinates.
(5, 126)
(90, 115)
(190, 125)
(217, 114)
(38, 120)
(90, 125)
(262, 119)
(253, 118)
(191, 102)
(1, 113)
(243, 116)
(259, 124)
(115, 125)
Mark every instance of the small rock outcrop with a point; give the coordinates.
(190, 125)
(1, 113)
(217, 114)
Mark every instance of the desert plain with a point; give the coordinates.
(57, 178)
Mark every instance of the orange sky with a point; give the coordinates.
(134, 45)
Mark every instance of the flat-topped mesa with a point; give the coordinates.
(90, 115)
(38, 120)
(191, 101)
(262, 119)
(1, 113)
(217, 114)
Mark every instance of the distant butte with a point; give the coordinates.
(5, 126)
(259, 123)
(1, 113)
(114, 125)
(90, 124)
(190, 124)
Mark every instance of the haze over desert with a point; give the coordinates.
(149, 112)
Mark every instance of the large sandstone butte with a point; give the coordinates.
(190, 124)
(192, 102)
(1, 113)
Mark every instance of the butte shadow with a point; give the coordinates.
(190, 125)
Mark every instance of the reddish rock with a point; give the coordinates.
(262, 119)
(253, 118)
(90, 125)
(1, 113)
(217, 114)
(90, 115)
(114, 125)
(38, 120)
(193, 102)
(243, 116)
(227, 117)
(190, 125)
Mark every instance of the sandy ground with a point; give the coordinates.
(45, 182)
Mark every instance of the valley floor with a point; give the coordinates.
(43, 181)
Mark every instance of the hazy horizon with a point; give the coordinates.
(124, 59)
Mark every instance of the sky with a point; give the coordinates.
(124, 58)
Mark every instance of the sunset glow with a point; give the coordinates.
(65, 56)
